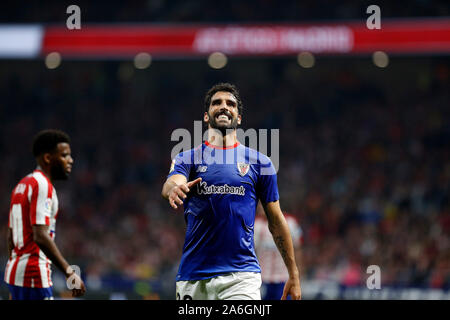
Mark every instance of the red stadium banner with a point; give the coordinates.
(395, 36)
(409, 36)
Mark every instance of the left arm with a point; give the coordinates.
(282, 237)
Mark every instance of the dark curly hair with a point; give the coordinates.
(227, 87)
(46, 141)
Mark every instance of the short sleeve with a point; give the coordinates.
(181, 164)
(267, 186)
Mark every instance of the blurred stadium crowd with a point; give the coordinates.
(364, 161)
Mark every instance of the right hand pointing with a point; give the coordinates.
(178, 193)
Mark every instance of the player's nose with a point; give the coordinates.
(224, 104)
(224, 108)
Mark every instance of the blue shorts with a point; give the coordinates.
(273, 291)
(24, 293)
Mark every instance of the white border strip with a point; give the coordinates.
(20, 41)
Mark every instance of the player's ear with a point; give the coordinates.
(206, 117)
(47, 157)
(239, 119)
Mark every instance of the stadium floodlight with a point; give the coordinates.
(142, 60)
(53, 60)
(217, 60)
(380, 59)
(306, 59)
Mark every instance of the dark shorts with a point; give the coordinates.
(24, 293)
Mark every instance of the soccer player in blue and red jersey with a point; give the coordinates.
(219, 184)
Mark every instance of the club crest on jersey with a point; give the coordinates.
(243, 168)
(48, 204)
(172, 166)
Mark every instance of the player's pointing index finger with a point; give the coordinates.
(194, 182)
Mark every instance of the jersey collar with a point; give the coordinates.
(221, 148)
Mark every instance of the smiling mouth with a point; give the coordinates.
(223, 116)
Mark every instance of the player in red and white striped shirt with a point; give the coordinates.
(32, 218)
(273, 270)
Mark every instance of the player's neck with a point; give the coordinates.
(46, 172)
(218, 140)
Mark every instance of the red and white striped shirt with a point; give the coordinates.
(273, 269)
(33, 202)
